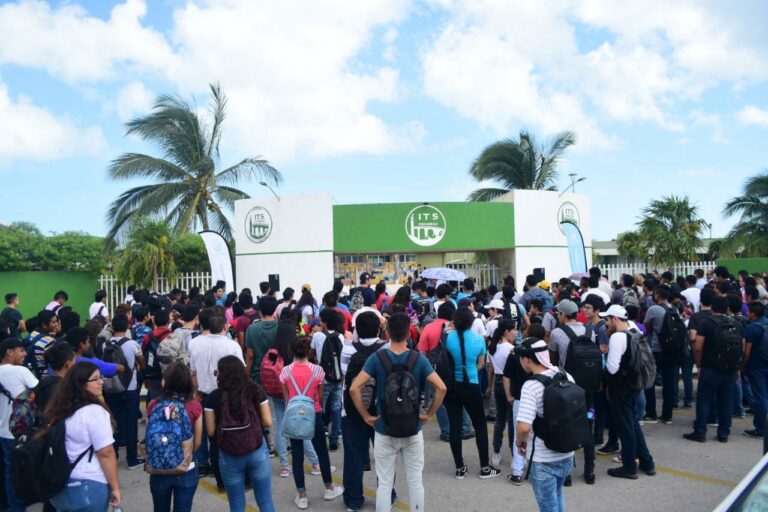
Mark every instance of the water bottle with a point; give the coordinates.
(591, 414)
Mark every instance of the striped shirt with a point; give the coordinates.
(531, 405)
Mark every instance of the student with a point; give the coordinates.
(502, 344)
(332, 322)
(98, 309)
(468, 353)
(386, 447)
(247, 404)
(59, 299)
(295, 377)
(666, 363)
(362, 295)
(260, 336)
(756, 364)
(12, 315)
(49, 328)
(179, 489)
(78, 340)
(60, 358)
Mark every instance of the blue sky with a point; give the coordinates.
(390, 100)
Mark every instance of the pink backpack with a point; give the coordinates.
(271, 366)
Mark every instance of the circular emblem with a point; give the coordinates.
(425, 225)
(567, 213)
(258, 224)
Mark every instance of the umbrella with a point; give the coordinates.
(443, 274)
(579, 275)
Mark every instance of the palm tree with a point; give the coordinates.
(632, 246)
(150, 251)
(749, 236)
(671, 230)
(521, 164)
(189, 190)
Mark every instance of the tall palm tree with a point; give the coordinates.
(671, 229)
(150, 251)
(188, 188)
(519, 164)
(749, 236)
(632, 246)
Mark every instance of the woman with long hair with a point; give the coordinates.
(382, 299)
(467, 350)
(307, 307)
(93, 483)
(240, 400)
(177, 386)
(502, 343)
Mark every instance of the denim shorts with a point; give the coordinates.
(82, 495)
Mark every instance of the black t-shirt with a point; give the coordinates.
(697, 318)
(707, 329)
(12, 317)
(515, 373)
(45, 389)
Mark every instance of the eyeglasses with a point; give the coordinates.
(215, 373)
(97, 379)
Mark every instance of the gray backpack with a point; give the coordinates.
(640, 372)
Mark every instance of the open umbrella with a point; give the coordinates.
(443, 274)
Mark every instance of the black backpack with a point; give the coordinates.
(583, 359)
(330, 358)
(400, 409)
(673, 333)
(152, 369)
(640, 370)
(511, 311)
(564, 427)
(728, 347)
(40, 468)
(356, 363)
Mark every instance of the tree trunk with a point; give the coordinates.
(204, 218)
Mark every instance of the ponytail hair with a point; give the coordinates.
(506, 324)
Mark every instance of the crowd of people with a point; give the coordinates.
(235, 379)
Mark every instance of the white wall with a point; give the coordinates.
(299, 247)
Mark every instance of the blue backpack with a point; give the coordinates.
(299, 418)
(169, 439)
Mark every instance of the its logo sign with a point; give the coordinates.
(425, 225)
(258, 224)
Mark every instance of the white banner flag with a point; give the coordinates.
(218, 256)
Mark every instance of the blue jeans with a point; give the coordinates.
(179, 488)
(201, 455)
(738, 407)
(547, 480)
(332, 410)
(759, 380)
(357, 439)
(640, 407)
(14, 503)
(713, 384)
(259, 468)
(748, 395)
(686, 368)
(124, 406)
(82, 496)
(278, 412)
(321, 447)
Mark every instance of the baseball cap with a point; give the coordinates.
(567, 307)
(465, 302)
(615, 310)
(9, 344)
(497, 304)
(544, 284)
(365, 276)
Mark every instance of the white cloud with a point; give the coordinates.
(133, 99)
(752, 114)
(712, 121)
(32, 132)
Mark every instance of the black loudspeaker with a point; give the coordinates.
(539, 274)
(274, 282)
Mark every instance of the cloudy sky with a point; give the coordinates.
(390, 100)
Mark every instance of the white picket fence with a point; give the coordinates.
(615, 271)
(116, 289)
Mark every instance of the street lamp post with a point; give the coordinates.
(265, 184)
(572, 186)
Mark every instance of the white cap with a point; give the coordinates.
(496, 304)
(615, 310)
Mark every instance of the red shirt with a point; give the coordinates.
(347, 318)
(430, 335)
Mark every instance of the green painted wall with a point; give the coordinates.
(36, 289)
(381, 228)
(749, 264)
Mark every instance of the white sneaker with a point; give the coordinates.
(496, 459)
(330, 494)
(302, 503)
(316, 470)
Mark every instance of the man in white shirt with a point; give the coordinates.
(700, 281)
(16, 379)
(602, 282)
(99, 308)
(692, 294)
(594, 289)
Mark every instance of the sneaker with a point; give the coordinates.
(514, 479)
(740, 416)
(650, 420)
(490, 418)
(693, 436)
(316, 470)
(469, 436)
(722, 439)
(667, 422)
(589, 478)
(136, 463)
(622, 473)
(568, 482)
(461, 472)
(489, 472)
(649, 471)
(617, 459)
(495, 459)
(715, 424)
(302, 503)
(608, 450)
(330, 494)
(333, 447)
(753, 433)
(285, 471)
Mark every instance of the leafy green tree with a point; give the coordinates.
(749, 236)
(671, 229)
(20, 247)
(521, 164)
(73, 251)
(192, 257)
(151, 251)
(632, 246)
(188, 187)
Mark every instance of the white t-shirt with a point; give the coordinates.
(131, 350)
(89, 425)
(478, 327)
(491, 326)
(693, 295)
(600, 293)
(499, 359)
(318, 340)
(94, 309)
(16, 379)
(531, 405)
(204, 355)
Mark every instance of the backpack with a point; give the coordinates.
(168, 439)
(113, 353)
(511, 311)
(583, 360)
(673, 334)
(400, 409)
(299, 417)
(25, 416)
(172, 349)
(152, 370)
(728, 346)
(629, 297)
(442, 361)
(241, 436)
(99, 318)
(564, 427)
(40, 468)
(356, 301)
(368, 391)
(330, 358)
(270, 369)
(30, 359)
(640, 372)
